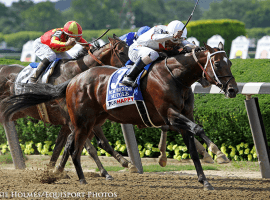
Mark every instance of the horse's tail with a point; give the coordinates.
(36, 94)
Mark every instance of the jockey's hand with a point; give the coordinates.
(71, 41)
(86, 47)
(178, 34)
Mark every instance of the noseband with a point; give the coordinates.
(207, 76)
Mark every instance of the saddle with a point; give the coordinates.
(23, 77)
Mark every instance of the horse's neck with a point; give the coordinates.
(186, 69)
(100, 54)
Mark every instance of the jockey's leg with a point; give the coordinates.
(133, 72)
(46, 55)
(142, 56)
(40, 68)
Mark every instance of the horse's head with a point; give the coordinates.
(119, 49)
(114, 53)
(218, 71)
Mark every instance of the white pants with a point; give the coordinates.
(137, 51)
(44, 51)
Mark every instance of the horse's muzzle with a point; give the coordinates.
(231, 92)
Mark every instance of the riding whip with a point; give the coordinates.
(95, 39)
(191, 15)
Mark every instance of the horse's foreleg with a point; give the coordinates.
(221, 157)
(59, 144)
(189, 141)
(104, 144)
(162, 159)
(179, 122)
(93, 153)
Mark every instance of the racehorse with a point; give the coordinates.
(165, 89)
(114, 53)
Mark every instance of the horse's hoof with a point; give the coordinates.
(50, 167)
(208, 159)
(208, 187)
(61, 174)
(162, 161)
(132, 168)
(83, 181)
(65, 176)
(109, 177)
(125, 164)
(222, 159)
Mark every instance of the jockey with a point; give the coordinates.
(144, 50)
(131, 36)
(54, 44)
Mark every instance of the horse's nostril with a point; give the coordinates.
(233, 90)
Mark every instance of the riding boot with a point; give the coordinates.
(40, 68)
(136, 69)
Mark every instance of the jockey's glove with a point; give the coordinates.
(71, 41)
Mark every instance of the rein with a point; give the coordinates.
(217, 81)
(95, 58)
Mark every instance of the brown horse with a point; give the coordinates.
(165, 90)
(114, 53)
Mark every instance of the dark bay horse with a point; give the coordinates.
(165, 89)
(114, 53)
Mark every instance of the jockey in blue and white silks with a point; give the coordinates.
(145, 49)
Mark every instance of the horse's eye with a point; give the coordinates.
(217, 64)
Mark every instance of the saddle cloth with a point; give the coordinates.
(28, 71)
(120, 95)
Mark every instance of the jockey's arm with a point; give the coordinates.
(161, 37)
(56, 43)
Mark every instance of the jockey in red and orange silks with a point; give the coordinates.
(55, 44)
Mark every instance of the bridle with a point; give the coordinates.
(113, 52)
(206, 75)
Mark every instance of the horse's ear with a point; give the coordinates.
(221, 46)
(115, 37)
(208, 47)
(110, 39)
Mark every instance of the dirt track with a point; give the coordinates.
(16, 184)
